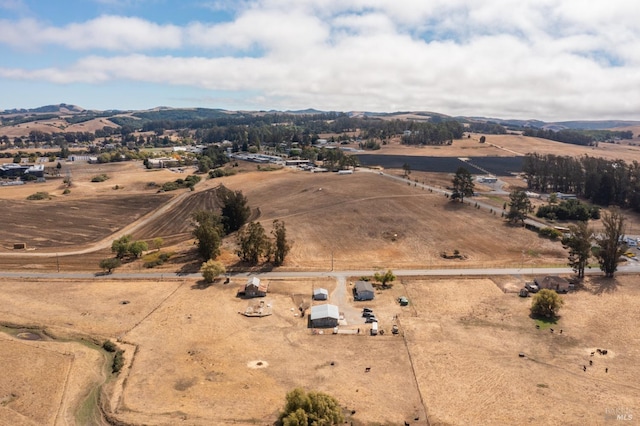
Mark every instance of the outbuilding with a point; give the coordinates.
(324, 316)
(363, 290)
(553, 282)
(255, 288)
(320, 294)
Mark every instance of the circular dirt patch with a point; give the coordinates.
(27, 335)
(257, 364)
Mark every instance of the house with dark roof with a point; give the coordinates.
(255, 288)
(553, 282)
(363, 290)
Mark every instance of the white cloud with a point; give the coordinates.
(529, 59)
(105, 32)
(266, 29)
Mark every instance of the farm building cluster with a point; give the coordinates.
(21, 171)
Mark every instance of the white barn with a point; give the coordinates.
(324, 316)
(320, 294)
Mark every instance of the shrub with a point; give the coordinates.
(156, 259)
(109, 346)
(66, 191)
(118, 361)
(221, 172)
(39, 196)
(99, 178)
(569, 210)
(189, 182)
(170, 186)
(551, 233)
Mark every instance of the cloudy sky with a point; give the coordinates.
(543, 59)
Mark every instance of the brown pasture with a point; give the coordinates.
(192, 358)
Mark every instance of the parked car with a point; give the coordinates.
(368, 314)
(403, 301)
(367, 310)
(371, 319)
(523, 292)
(532, 287)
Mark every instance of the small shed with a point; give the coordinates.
(255, 288)
(553, 282)
(324, 316)
(320, 294)
(363, 290)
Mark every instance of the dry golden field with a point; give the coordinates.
(192, 359)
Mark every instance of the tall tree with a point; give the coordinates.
(253, 243)
(313, 408)
(407, 169)
(610, 244)
(578, 242)
(519, 206)
(235, 211)
(385, 278)
(211, 269)
(120, 246)
(546, 303)
(136, 248)
(208, 233)
(110, 264)
(463, 185)
(280, 246)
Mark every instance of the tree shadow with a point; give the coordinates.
(189, 262)
(241, 266)
(455, 205)
(543, 322)
(603, 285)
(203, 285)
(189, 268)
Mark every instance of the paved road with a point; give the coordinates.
(339, 275)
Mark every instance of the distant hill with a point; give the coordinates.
(559, 125)
(74, 114)
(302, 111)
(47, 109)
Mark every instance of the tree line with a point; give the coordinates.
(578, 137)
(603, 182)
(433, 133)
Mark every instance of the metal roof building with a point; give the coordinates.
(320, 294)
(324, 315)
(363, 290)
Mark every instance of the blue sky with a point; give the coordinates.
(542, 59)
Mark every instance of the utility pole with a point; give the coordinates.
(57, 263)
